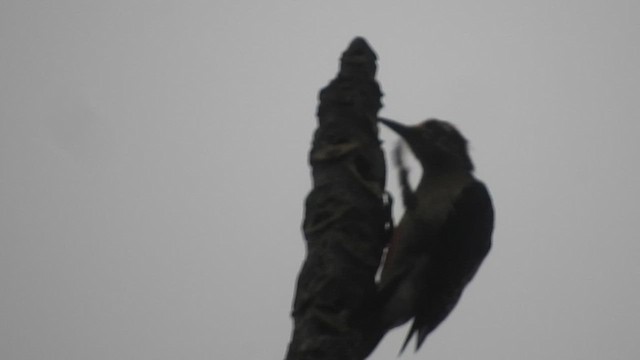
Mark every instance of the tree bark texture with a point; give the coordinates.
(346, 219)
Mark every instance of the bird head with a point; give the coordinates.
(437, 144)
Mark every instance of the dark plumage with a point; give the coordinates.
(442, 238)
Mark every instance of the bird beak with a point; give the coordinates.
(402, 130)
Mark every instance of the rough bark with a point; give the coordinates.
(346, 219)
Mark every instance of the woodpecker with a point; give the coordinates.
(442, 238)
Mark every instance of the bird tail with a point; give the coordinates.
(421, 336)
(408, 338)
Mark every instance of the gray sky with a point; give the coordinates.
(153, 170)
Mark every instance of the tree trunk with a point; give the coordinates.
(346, 219)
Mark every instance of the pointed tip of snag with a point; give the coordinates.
(360, 43)
(359, 59)
(360, 47)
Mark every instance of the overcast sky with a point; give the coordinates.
(153, 168)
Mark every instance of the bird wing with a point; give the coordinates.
(463, 242)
